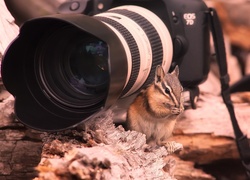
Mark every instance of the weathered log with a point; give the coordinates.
(20, 147)
(206, 132)
(103, 151)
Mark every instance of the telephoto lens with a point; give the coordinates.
(63, 69)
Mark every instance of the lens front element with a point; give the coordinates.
(73, 70)
(88, 71)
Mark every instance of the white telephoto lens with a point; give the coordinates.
(146, 40)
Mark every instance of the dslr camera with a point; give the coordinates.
(65, 68)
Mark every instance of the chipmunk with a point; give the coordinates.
(155, 109)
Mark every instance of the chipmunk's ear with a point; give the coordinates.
(159, 74)
(176, 71)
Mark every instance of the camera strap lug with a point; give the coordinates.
(241, 140)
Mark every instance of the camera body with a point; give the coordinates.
(75, 64)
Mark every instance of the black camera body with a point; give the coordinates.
(72, 65)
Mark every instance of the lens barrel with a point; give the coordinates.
(70, 67)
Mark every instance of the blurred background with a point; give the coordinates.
(27, 9)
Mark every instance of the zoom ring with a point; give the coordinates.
(154, 39)
(132, 47)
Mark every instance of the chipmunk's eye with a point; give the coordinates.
(167, 90)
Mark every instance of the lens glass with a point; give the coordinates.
(88, 66)
(72, 68)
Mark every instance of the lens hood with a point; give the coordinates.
(33, 105)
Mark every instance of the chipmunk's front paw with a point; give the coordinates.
(175, 110)
(173, 146)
